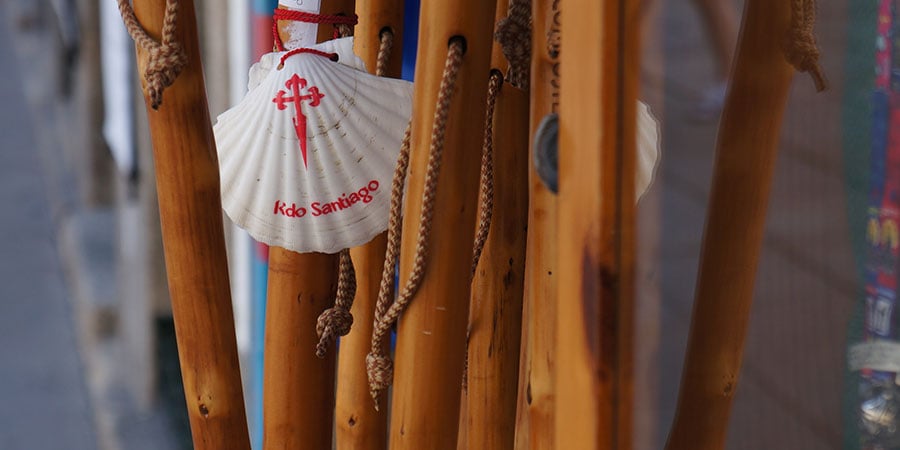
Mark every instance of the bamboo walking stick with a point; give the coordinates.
(596, 225)
(536, 399)
(187, 179)
(359, 425)
(746, 151)
(495, 319)
(431, 342)
(298, 391)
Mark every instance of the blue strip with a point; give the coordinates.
(410, 38)
(264, 7)
(258, 331)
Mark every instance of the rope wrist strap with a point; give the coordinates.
(165, 59)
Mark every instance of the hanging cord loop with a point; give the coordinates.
(343, 25)
(379, 364)
(165, 59)
(514, 35)
(337, 320)
(486, 186)
(800, 47)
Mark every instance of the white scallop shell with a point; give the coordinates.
(647, 149)
(340, 196)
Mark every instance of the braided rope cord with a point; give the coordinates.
(379, 365)
(165, 58)
(801, 50)
(486, 186)
(384, 52)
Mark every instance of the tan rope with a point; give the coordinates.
(343, 30)
(384, 52)
(486, 187)
(514, 35)
(337, 320)
(165, 59)
(378, 364)
(801, 49)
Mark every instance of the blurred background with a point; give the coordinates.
(87, 348)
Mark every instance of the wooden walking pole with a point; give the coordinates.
(596, 224)
(536, 400)
(187, 179)
(746, 151)
(431, 344)
(495, 320)
(298, 391)
(359, 425)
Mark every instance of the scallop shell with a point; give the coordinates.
(647, 149)
(336, 193)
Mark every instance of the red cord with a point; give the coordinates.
(312, 51)
(300, 16)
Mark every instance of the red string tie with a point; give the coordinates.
(312, 51)
(307, 17)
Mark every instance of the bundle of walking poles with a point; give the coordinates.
(514, 304)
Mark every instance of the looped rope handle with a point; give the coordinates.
(379, 365)
(165, 59)
(801, 50)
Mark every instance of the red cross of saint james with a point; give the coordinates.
(295, 85)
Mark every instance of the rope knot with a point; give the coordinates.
(514, 35)
(164, 63)
(333, 322)
(380, 369)
(337, 320)
(165, 58)
(800, 47)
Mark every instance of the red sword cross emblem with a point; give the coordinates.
(296, 85)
